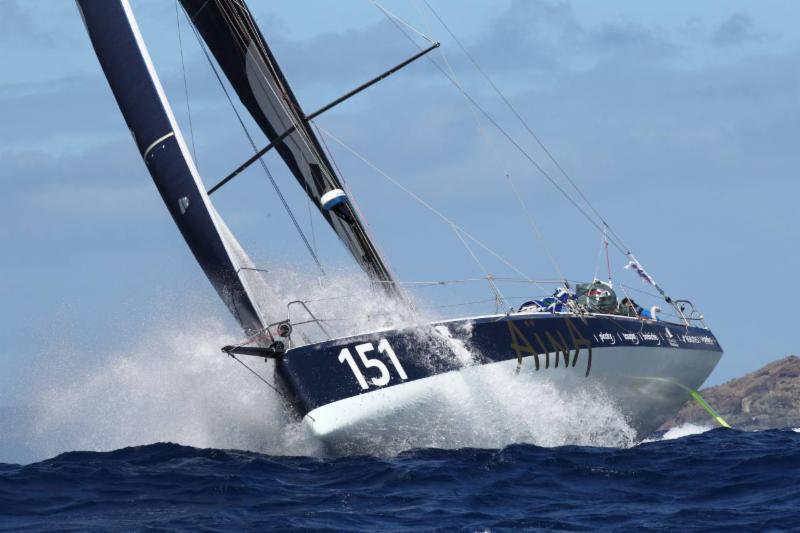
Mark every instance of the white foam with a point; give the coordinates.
(459, 347)
(684, 430)
(347, 303)
(173, 384)
(482, 406)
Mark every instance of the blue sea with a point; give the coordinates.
(707, 481)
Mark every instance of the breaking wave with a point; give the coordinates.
(678, 432)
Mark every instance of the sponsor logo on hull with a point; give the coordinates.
(323, 373)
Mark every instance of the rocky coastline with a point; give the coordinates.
(764, 399)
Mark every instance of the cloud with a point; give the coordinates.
(735, 30)
(535, 32)
(609, 105)
(341, 57)
(107, 181)
(98, 200)
(37, 112)
(526, 35)
(18, 25)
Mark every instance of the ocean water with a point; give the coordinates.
(707, 481)
(241, 464)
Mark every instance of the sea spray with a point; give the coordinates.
(172, 383)
(346, 302)
(490, 406)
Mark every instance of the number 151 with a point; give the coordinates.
(362, 350)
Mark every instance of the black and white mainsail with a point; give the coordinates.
(126, 63)
(240, 49)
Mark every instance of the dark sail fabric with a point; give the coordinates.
(130, 73)
(241, 51)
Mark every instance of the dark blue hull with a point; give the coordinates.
(656, 360)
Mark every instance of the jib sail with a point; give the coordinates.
(126, 63)
(236, 42)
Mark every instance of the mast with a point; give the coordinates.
(239, 48)
(127, 65)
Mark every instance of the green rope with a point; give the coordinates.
(697, 398)
(710, 410)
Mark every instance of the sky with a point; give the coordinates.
(679, 120)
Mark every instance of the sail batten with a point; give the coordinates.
(236, 42)
(134, 82)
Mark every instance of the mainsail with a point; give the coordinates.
(239, 48)
(126, 63)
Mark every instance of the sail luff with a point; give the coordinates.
(236, 42)
(126, 62)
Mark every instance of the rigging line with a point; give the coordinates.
(523, 122)
(469, 280)
(311, 224)
(648, 293)
(252, 269)
(514, 143)
(625, 293)
(444, 282)
(185, 82)
(459, 304)
(490, 143)
(474, 114)
(355, 207)
(360, 229)
(473, 302)
(284, 400)
(599, 257)
(330, 155)
(391, 15)
(253, 144)
(355, 234)
(536, 230)
(617, 241)
(494, 288)
(424, 203)
(608, 259)
(238, 26)
(517, 280)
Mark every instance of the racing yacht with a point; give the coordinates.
(382, 382)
